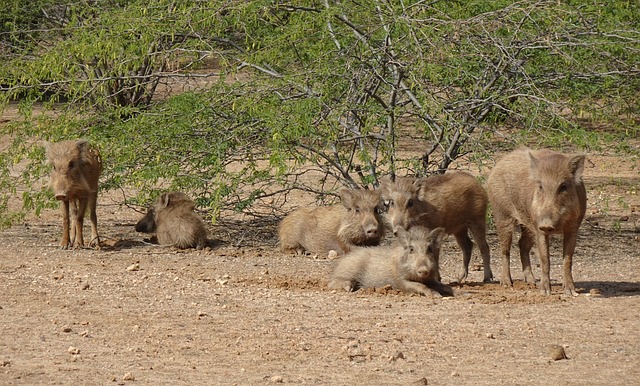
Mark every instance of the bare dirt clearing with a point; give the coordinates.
(244, 313)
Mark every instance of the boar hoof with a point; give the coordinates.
(571, 292)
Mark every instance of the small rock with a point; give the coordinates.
(421, 381)
(595, 292)
(128, 377)
(332, 255)
(85, 286)
(73, 351)
(490, 336)
(134, 267)
(5, 363)
(397, 355)
(66, 329)
(556, 352)
(277, 379)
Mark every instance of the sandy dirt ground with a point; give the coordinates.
(244, 313)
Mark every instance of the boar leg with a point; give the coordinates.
(79, 221)
(64, 243)
(345, 284)
(440, 287)
(479, 232)
(462, 237)
(418, 288)
(505, 237)
(95, 239)
(568, 247)
(545, 264)
(525, 244)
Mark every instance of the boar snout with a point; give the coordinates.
(371, 230)
(423, 272)
(546, 226)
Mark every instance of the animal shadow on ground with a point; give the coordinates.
(609, 289)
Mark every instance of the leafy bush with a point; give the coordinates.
(240, 102)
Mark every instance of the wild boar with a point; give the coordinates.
(74, 179)
(541, 191)
(454, 201)
(175, 222)
(355, 221)
(410, 265)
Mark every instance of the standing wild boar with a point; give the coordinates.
(411, 265)
(356, 221)
(175, 222)
(454, 201)
(74, 179)
(542, 191)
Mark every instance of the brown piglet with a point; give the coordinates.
(74, 179)
(355, 221)
(174, 221)
(411, 264)
(454, 201)
(541, 191)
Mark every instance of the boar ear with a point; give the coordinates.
(82, 145)
(385, 185)
(165, 198)
(576, 166)
(534, 164)
(403, 236)
(346, 197)
(47, 148)
(437, 235)
(418, 185)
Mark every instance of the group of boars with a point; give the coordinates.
(539, 191)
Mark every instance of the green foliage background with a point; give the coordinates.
(240, 102)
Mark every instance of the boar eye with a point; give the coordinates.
(410, 203)
(72, 164)
(429, 249)
(562, 188)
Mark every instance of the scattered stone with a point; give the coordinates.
(66, 329)
(5, 363)
(277, 379)
(73, 351)
(595, 292)
(332, 255)
(134, 267)
(128, 377)
(397, 355)
(421, 381)
(556, 352)
(490, 336)
(85, 286)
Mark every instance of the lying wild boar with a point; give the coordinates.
(355, 221)
(411, 265)
(76, 169)
(542, 191)
(175, 222)
(454, 201)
